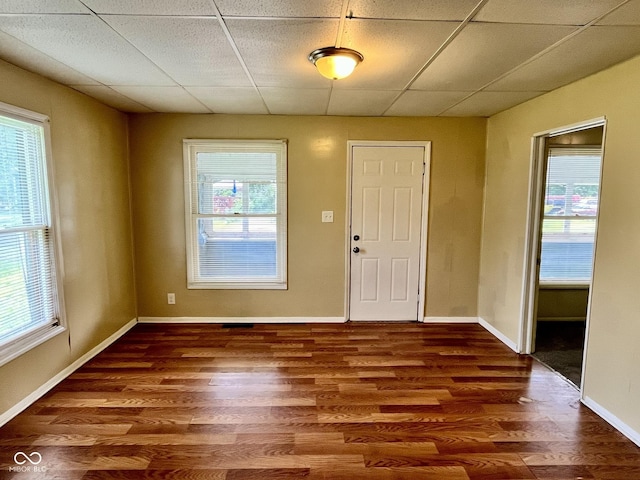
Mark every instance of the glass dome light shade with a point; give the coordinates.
(335, 63)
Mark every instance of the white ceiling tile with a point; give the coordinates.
(280, 8)
(627, 14)
(592, 50)
(484, 51)
(87, 45)
(276, 51)
(151, 7)
(485, 104)
(417, 103)
(161, 43)
(394, 50)
(232, 100)
(550, 12)
(14, 51)
(40, 6)
(112, 98)
(360, 102)
(412, 10)
(163, 99)
(296, 101)
(199, 53)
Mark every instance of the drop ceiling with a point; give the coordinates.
(422, 58)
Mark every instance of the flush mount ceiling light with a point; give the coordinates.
(335, 62)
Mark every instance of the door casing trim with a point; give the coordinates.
(532, 237)
(422, 281)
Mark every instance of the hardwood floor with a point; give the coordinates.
(341, 402)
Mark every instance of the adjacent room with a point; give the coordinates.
(222, 255)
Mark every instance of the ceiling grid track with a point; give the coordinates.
(343, 21)
(341, 26)
(467, 58)
(236, 50)
(440, 49)
(536, 56)
(98, 82)
(97, 16)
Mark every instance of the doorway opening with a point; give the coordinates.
(563, 211)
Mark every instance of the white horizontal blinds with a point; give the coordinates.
(237, 183)
(571, 206)
(27, 292)
(238, 207)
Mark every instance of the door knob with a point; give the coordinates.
(356, 249)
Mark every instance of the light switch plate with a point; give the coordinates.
(327, 216)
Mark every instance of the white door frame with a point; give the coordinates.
(532, 235)
(422, 281)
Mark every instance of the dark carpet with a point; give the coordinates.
(559, 345)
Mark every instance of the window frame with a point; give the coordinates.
(191, 147)
(28, 340)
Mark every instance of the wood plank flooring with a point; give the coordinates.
(341, 402)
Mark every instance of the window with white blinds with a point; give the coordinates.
(29, 309)
(236, 213)
(572, 192)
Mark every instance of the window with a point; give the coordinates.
(30, 310)
(236, 213)
(569, 222)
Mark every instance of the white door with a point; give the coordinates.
(386, 223)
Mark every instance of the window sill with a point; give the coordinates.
(14, 349)
(236, 286)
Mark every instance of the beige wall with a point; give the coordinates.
(612, 377)
(562, 303)
(89, 143)
(590, 136)
(317, 181)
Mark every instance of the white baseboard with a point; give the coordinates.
(487, 326)
(241, 320)
(499, 335)
(450, 320)
(40, 391)
(615, 422)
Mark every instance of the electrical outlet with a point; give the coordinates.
(327, 216)
(171, 298)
